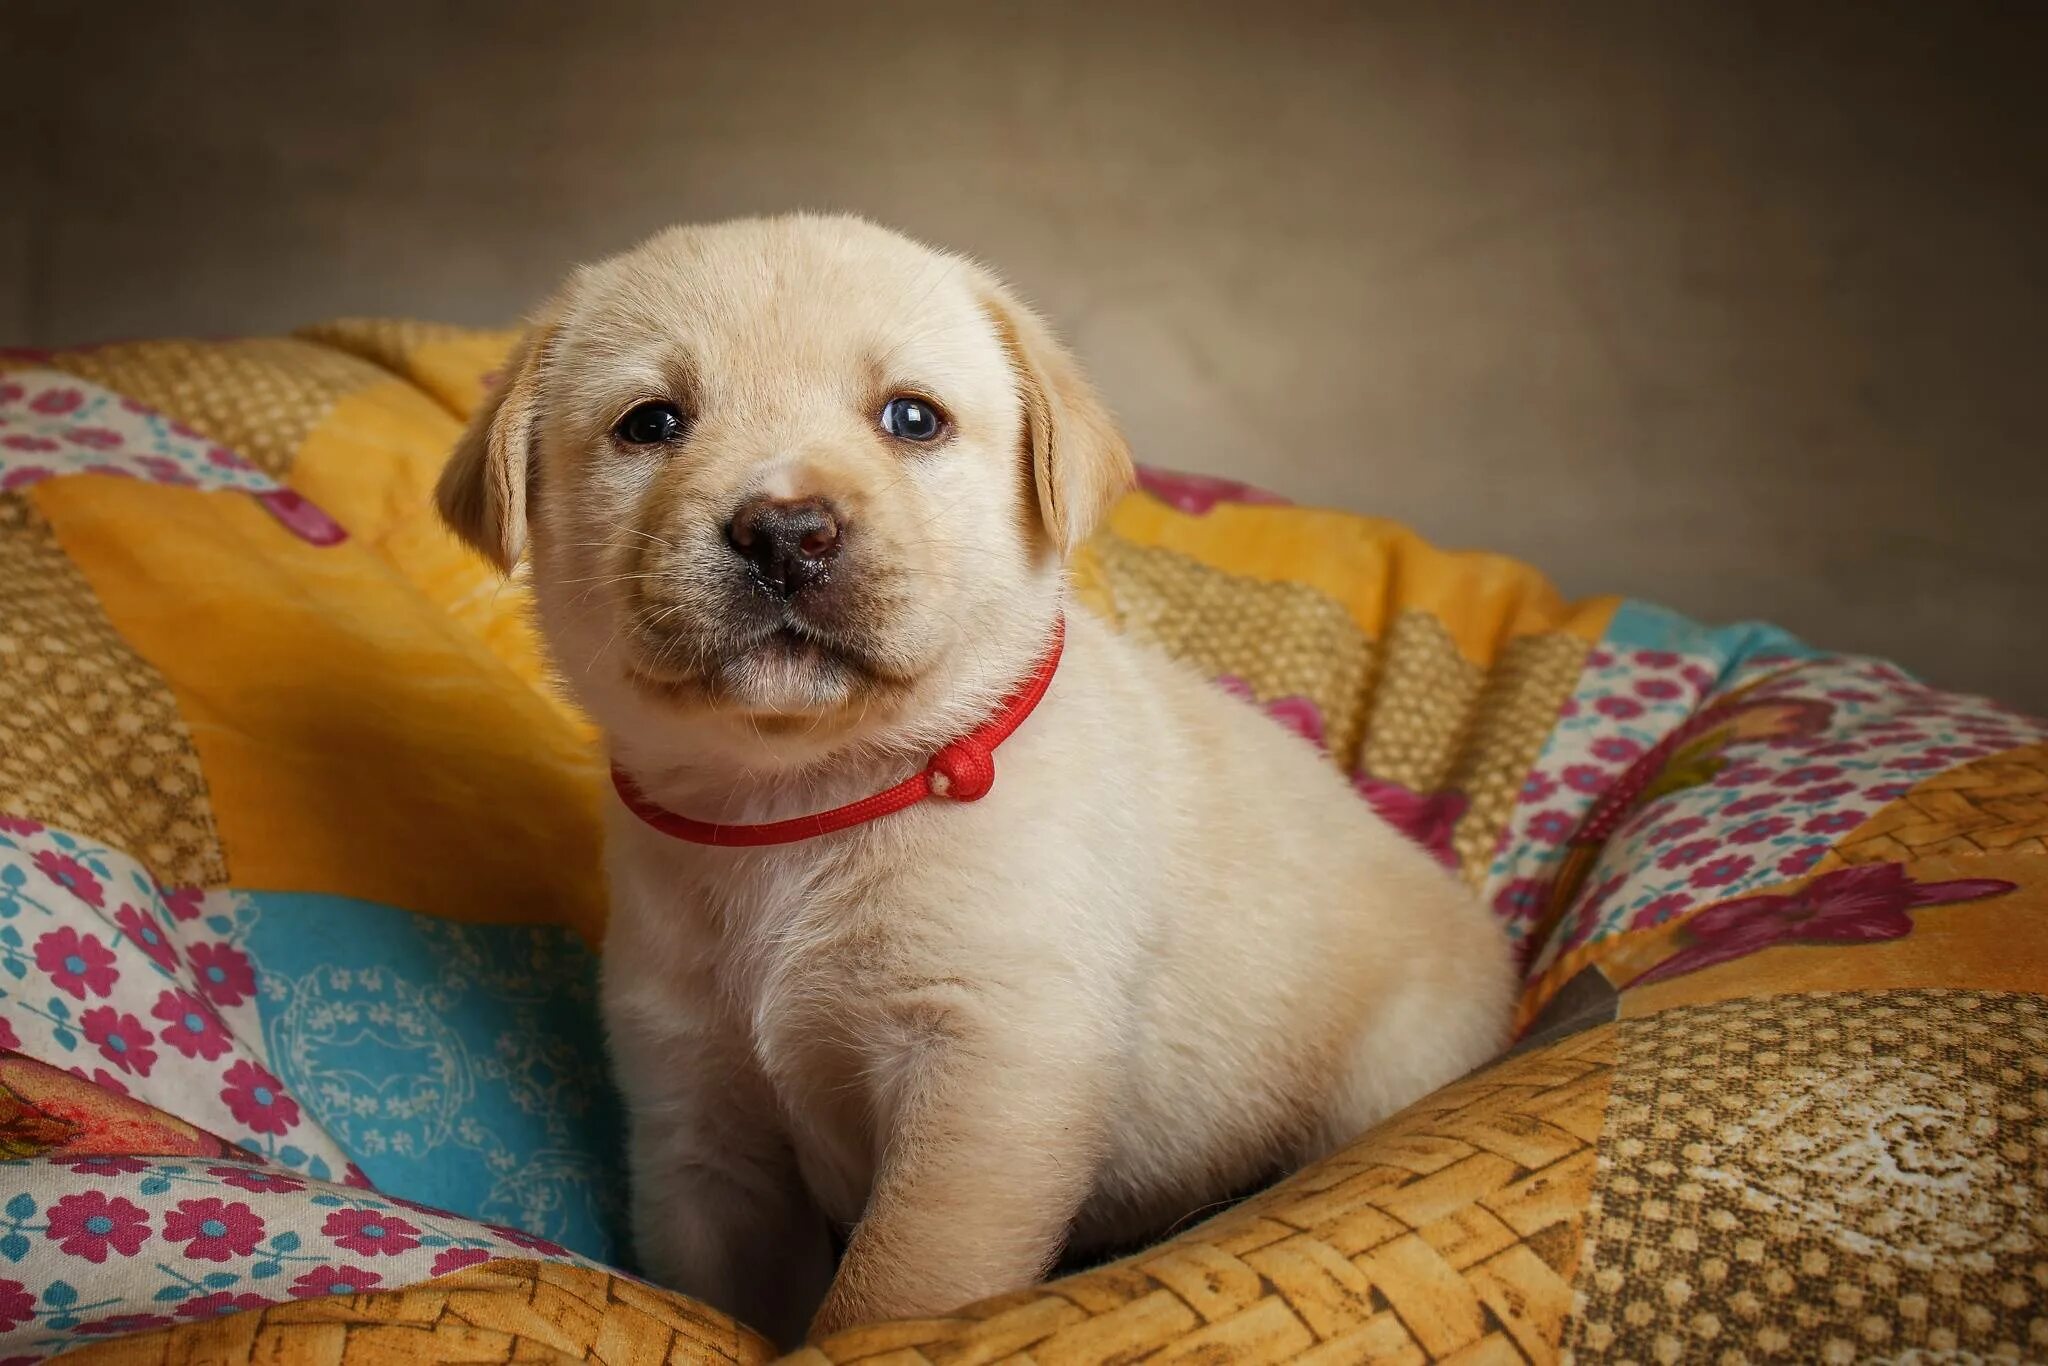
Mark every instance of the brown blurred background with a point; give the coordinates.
(1739, 307)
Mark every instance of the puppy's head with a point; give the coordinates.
(795, 477)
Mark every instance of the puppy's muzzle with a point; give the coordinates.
(787, 544)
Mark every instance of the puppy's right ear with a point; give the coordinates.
(482, 493)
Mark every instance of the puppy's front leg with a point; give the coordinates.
(994, 1139)
(719, 1209)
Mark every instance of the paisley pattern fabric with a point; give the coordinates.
(300, 900)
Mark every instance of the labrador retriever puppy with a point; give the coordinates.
(796, 494)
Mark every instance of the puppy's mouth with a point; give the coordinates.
(787, 664)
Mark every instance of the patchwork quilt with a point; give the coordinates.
(300, 907)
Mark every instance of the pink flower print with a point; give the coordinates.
(1656, 659)
(1864, 904)
(73, 876)
(1826, 792)
(1834, 822)
(57, 402)
(94, 438)
(121, 1038)
(23, 476)
(183, 902)
(1198, 494)
(257, 1099)
(302, 518)
(10, 393)
(1855, 695)
(1657, 689)
(213, 1230)
(77, 964)
(1537, 787)
(456, 1258)
(1840, 749)
(1299, 715)
(224, 458)
(1677, 830)
(342, 1280)
(100, 1077)
(220, 1302)
(1617, 749)
(258, 1179)
(19, 825)
(190, 1025)
(120, 1324)
(1887, 792)
(1585, 778)
(106, 1164)
(1522, 898)
(1770, 827)
(1722, 871)
(1599, 896)
(1657, 910)
(17, 1306)
(223, 973)
(1700, 677)
(370, 1233)
(165, 470)
(142, 931)
(90, 1223)
(1808, 773)
(9, 1040)
(1568, 708)
(1619, 708)
(1599, 659)
(1918, 763)
(1552, 826)
(532, 1242)
(1750, 805)
(22, 441)
(1741, 775)
(1683, 854)
(352, 1176)
(1429, 819)
(1801, 861)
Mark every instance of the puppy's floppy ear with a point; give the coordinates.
(1079, 462)
(482, 493)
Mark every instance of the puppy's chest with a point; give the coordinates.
(813, 970)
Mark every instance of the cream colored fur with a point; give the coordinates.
(1169, 955)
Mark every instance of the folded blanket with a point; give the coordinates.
(299, 903)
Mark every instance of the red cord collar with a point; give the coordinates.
(963, 771)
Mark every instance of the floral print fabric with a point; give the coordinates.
(54, 424)
(102, 1246)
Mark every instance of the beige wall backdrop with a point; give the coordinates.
(1741, 307)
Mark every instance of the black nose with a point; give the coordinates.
(789, 542)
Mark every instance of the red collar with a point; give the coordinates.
(963, 771)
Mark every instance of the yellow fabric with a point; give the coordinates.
(356, 740)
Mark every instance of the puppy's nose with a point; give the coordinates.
(789, 542)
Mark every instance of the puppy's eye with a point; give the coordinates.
(912, 419)
(650, 424)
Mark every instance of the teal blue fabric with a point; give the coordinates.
(461, 1066)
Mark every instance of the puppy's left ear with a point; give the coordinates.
(1080, 464)
(482, 492)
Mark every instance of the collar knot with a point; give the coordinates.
(963, 771)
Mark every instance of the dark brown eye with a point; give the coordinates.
(912, 419)
(650, 424)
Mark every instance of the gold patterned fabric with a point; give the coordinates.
(90, 738)
(1822, 1178)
